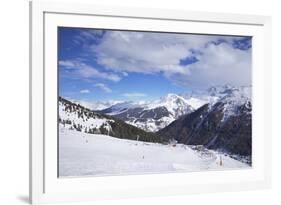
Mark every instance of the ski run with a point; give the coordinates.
(82, 154)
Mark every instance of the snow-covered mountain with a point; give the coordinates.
(152, 116)
(119, 108)
(155, 115)
(224, 124)
(235, 99)
(74, 116)
(175, 104)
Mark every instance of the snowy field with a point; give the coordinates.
(82, 154)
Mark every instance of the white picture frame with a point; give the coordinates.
(45, 187)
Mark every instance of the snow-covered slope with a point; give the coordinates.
(74, 116)
(83, 154)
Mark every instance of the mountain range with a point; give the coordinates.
(155, 115)
(219, 118)
(151, 116)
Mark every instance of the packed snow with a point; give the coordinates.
(82, 154)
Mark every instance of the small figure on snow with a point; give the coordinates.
(220, 160)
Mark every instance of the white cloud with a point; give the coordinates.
(218, 65)
(80, 69)
(103, 87)
(144, 52)
(67, 64)
(86, 35)
(85, 91)
(135, 94)
(150, 53)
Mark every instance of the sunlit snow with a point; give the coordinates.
(82, 154)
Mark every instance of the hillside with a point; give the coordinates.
(225, 125)
(76, 117)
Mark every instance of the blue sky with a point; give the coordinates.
(103, 65)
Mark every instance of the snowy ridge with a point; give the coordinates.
(231, 97)
(76, 117)
(234, 99)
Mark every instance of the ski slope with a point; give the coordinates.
(82, 154)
